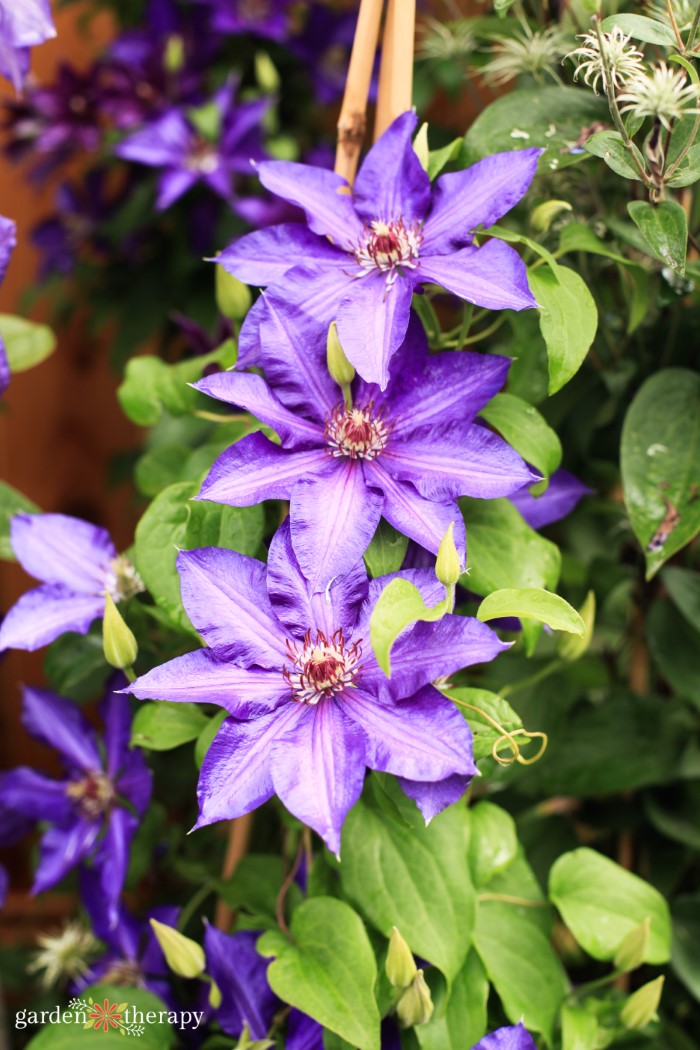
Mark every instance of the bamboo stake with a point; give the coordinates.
(396, 74)
(238, 838)
(353, 114)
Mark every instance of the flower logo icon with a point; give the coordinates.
(106, 1016)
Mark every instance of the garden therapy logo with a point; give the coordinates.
(105, 1016)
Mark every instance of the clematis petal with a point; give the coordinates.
(293, 600)
(429, 651)
(56, 548)
(294, 358)
(173, 184)
(303, 1033)
(372, 322)
(458, 461)
(318, 768)
(431, 799)
(493, 276)
(134, 781)
(311, 294)
(34, 796)
(236, 773)
(324, 197)
(477, 196)
(162, 143)
(252, 393)
(559, 499)
(8, 242)
(44, 613)
(265, 256)
(59, 723)
(241, 976)
(61, 849)
(5, 373)
(203, 677)
(392, 182)
(423, 520)
(334, 516)
(423, 738)
(112, 860)
(225, 596)
(255, 469)
(515, 1038)
(249, 336)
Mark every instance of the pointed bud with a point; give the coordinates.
(415, 1005)
(642, 1005)
(447, 567)
(233, 298)
(266, 74)
(214, 993)
(184, 956)
(632, 950)
(400, 965)
(340, 369)
(420, 146)
(174, 59)
(571, 646)
(120, 646)
(542, 217)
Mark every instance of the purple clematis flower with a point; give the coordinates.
(78, 564)
(8, 240)
(365, 250)
(515, 1038)
(559, 499)
(174, 144)
(310, 708)
(23, 24)
(264, 18)
(241, 977)
(406, 453)
(95, 809)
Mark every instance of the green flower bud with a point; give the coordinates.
(571, 646)
(174, 53)
(266, 74)
(120, 646)
(233, 298)
(632, 950)
(184, 956)
(542, 217)
(447, 567)
(214, 993)
(420, 146)
(340, 369)
(641, 1006)
(400, 965)
(415, 1005)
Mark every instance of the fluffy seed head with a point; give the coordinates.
(665, 94)
(64, 955)
(534, 53)
(623, 58)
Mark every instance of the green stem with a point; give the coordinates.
(538, 676)
(674, 25)
(467, 316)
(681, 156)
(693, 29)
(193, 903)
(130, 673)
(478, 336)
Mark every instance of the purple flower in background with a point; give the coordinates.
(134, 958)
(310, 708)
(240, 975)
(559, 499)
(406, 453)
(23, 24)
(8, 240)
(263, 18)
(186, 156)
(95, 809)
(366, 250)
(516, 1038)
(82, 209)
(78, 564)
(324, 48)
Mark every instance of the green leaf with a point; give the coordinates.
(664, 227)
(386, 551)
(255, 885)
(683, 587)
(660, 461)
(327, 970)
(675, 648)
(206, 737)
(438, 158)
(11, 502)
(67, 1035)
(688, 170)
(159, 467)
(642, 1005)
(575, 237)
(463, 1021)
(484, 732)
(533, 603)
(526, 430)
(685, 947)
(151, 386)
(413, 877)
(641, 28)
(609, 146)
(579, 1029)
(399, 605)
(504, 552)
(601, 902)
(162, 725)
(235, 528)
(494, 842)
(552, 118)
(75, 664)
(568, 320)
(27, 343)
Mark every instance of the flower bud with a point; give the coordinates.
(233, 298)
(184, 956)
(420, 146)
(571, 646)
(340, 369)
(641, 1006)
(120, 646)
(215, 996)
(415, 1005)
(542, 217)
(174, 59)
(265, 73)
(632, 949)
(447, 567)
(400, 965)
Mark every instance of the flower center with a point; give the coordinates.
(387, 246)
(203, 158)
(123, 581)
(123, 973)
(93, 795)
(356, 432)
(321, 666)
(253, 10)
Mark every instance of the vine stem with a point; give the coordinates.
(285, 887)
(396, 74)
(353, 113)
(239, 831)
(674, 26)
(693, 29)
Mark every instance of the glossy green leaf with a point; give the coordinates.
(660, 461)
(75, 664)
(162, 725)
(68, 1035)
(664, 227)
(491, 708)
(205, 738)
(685, 945)
(439, 158)
(683, 586)
(151, 386)
(649, 30)
(400, 604)
(579, 1029)
(675, 648)
(11, 502)
(688, 170)
(493, 844)
(609, 146)
(601, 902)
(535, 604)
(526, 430)
(386, 551)
(327, 970)
(568, 321)
(27, 343)
(462, 1022)
(576, 237)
